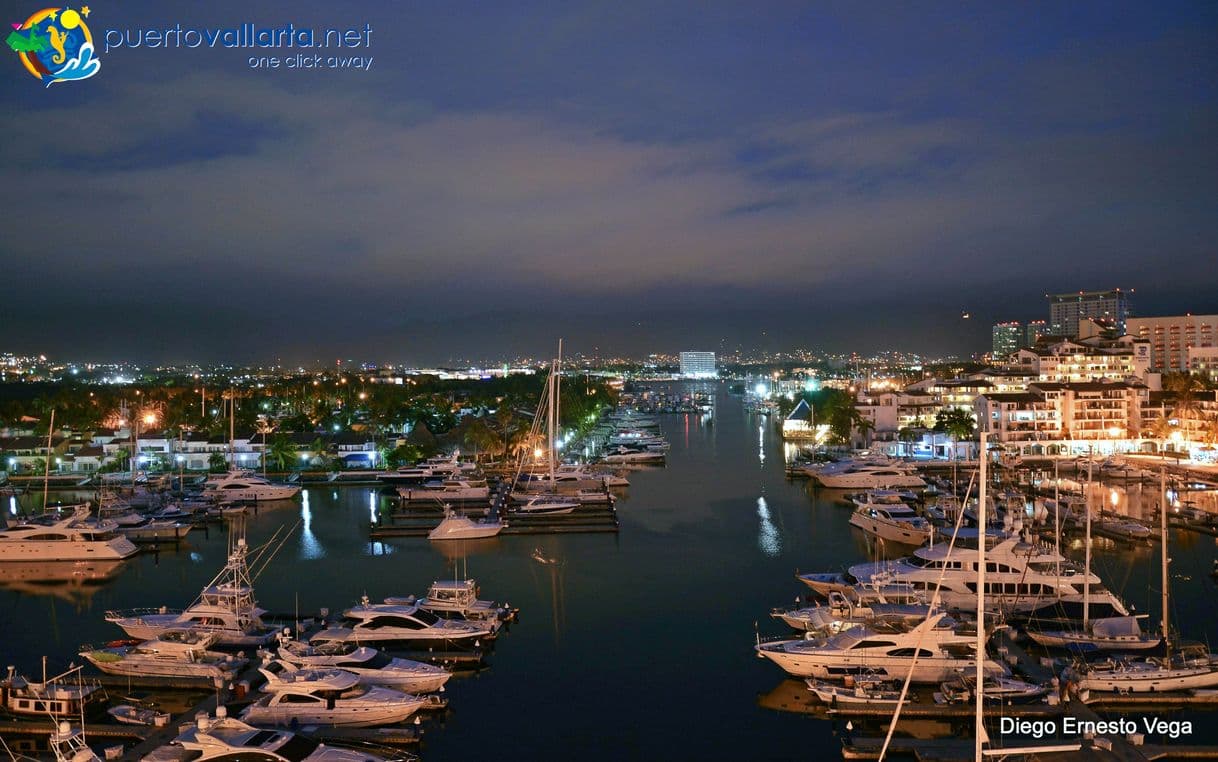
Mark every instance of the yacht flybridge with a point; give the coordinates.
(225, 607)
(896, 522)
(174, 653)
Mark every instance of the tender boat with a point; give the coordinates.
(72, 538)
(134, 715)
(371, 666)
(245, 486)
(327, 697)
(226, 607)
(858, 691)
(228, 739)
(174, 653)
(997, 688)
(457, 527)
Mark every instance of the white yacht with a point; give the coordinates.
(626, 455)
(439, 467)
(174, 653)
(941, 653)
(1122, 633)
(1021, 577)
(226, 607)
(548, 504)
(866, 476)
(244, 486)
(458, 599)
(407, 624)
(331, 697)
(371, 666)
(226, 739)
(448, 491)
(1185, 670)
(72, 538)
(458, 527)
(895, 522)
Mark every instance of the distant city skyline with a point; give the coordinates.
(628, 176)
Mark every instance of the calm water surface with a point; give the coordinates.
(634, 646)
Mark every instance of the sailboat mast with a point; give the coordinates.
(46, 473)
(557, 403)
(232, 425)
(1087, 557)
(979, 733)
(1166, 560)
(550, 421)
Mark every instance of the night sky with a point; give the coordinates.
(633, 176)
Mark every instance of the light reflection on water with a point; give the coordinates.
(768, 540)
(673, 597)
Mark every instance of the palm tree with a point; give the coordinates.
(480, 436)
(908, 435)
(281, 452)
(957, 423)
(217, 463)
(319, 448)
(1184, 387)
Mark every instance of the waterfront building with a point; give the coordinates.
(698, 365)
(1172, 337)
(1033, 331)
(1007, 338)
(799, 423)
(1091, 359)
(1077, 416)
(1202, 361)
(1065, 310)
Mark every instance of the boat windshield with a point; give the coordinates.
(297, 748)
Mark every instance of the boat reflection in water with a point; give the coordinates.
(73, 581)
(793, 696)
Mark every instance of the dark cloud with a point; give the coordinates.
(634, 177)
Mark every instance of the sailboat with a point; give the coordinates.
(1182, 668)
(547, 501)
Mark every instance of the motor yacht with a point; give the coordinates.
(224, 738)
(548, 504)
(226, 607)
(331, 697)
(895, 522)
(408, 624)
(1021, 578)
(439, 467)
(247, 487)
(882, 652)
(457, 527)
(75, 537)
(371, 666)
(458, 599)
(173, 653)
(447, 491)
(859, 476)
(57, 696)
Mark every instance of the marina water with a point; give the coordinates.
(635, 645)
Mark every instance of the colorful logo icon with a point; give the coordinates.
(55, 45)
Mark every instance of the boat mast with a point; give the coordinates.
(550, 421)
(557, 412)
(232, 425)
(979, 733)
(46, 473)
(1166, 560)
(1087, 559)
